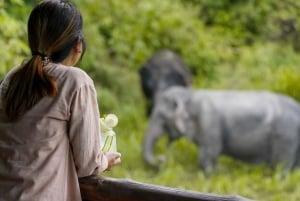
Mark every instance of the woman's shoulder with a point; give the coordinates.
(72, 75)
(77, 74)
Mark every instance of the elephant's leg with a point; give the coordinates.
(207, 132)
(208, 159)
(209, 151)
(297, 163)
(210, 140)
(284, 148)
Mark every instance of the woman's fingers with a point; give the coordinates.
(113, 158)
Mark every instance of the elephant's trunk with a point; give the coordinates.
(155, 130)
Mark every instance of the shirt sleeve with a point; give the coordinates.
(84, 132)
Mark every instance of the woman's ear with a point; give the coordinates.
(77, 51)
(78, 46)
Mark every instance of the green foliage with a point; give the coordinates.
(12, 32)
(132, 30)
(238, 16)
(288, 82)
(116, 85)
(259, 66)
(228, 44)
(249, 20)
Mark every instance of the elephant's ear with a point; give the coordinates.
(179, 114)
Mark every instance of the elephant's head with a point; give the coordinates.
(170, 116)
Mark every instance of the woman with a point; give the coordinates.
(49, 118)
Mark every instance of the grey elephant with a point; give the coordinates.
(163, 69)
(253, 126)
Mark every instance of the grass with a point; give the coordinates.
(181, 170)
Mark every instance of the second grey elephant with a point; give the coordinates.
(254, 126)
(162, 70)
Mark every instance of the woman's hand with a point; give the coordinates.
(113, 159)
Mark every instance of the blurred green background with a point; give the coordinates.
(227, 44)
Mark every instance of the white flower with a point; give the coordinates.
(107, 123)
(111, 120)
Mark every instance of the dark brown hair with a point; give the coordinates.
(54, 28)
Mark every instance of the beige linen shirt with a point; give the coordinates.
(58, 140)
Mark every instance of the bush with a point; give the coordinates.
(288, 82)
(133, 30)
(12, 34)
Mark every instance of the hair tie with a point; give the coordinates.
(45, 59)
(38, 53)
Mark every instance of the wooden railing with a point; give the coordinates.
(96, 188)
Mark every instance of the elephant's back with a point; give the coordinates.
(240, 109)
(229, 99)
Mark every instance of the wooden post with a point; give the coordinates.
(97, 188)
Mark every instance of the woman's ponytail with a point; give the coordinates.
(36, 84)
